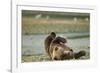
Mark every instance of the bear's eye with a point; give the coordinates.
(56, 49)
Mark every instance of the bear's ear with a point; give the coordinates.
(56, 49)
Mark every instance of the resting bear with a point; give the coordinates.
(57, 50)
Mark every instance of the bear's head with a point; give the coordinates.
(62, 52)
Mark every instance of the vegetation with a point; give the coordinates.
(45, 22)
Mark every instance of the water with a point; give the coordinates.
(34, 44)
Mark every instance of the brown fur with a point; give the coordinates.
(57, 50)
(79, 54)
(48, 41)
(63, 52)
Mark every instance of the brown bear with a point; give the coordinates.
(48, 40)
(59, 51)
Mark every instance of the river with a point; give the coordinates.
(34, 44)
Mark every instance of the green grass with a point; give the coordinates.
(35, 58)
